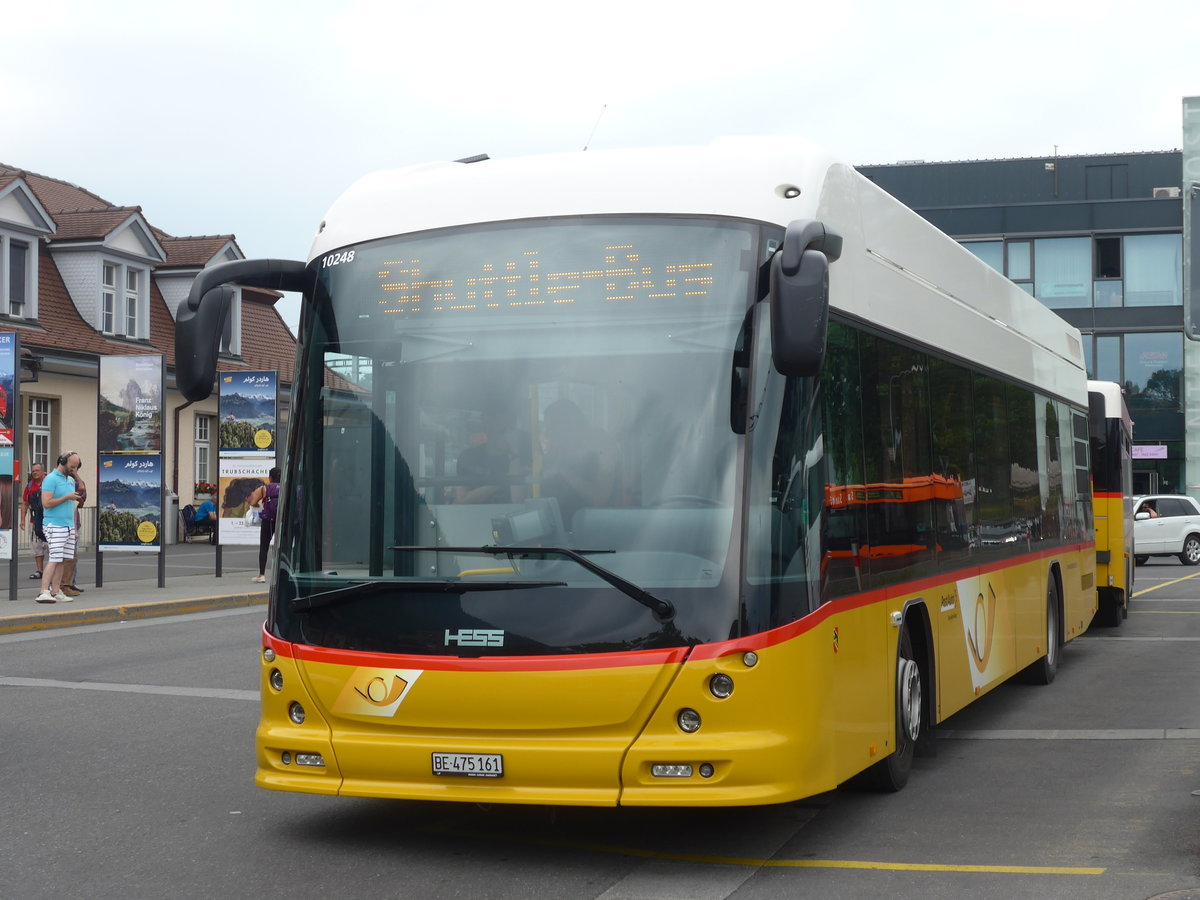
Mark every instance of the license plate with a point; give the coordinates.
(474, 765)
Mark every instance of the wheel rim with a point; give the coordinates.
(1192, 550)
(909, 685)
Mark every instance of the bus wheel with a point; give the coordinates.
(891, 774)
(1044, 670)
(1112, 607)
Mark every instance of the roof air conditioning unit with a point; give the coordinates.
(1166, 193)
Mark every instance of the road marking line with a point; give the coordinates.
(162, 690)
(1166, 584)
(1061, 734)
(779, 863)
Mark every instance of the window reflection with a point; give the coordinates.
(1154, 270)
(1154, 371)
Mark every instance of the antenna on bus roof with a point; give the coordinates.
(594, 127)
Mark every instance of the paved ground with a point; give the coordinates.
(129, 587)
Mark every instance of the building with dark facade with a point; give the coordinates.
(1098, 239)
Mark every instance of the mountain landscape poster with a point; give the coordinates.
(247, 409)
(129, 418)
(130, 501)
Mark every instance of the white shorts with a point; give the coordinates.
(61, 542)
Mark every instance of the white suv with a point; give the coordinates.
(1166, 525)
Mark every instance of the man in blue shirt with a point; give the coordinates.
(206, 513)
(59, 498)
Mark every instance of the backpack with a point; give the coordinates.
(270, 502)
(36, 514)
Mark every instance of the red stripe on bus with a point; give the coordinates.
(307, 653)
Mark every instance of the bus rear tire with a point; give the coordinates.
(891, 774)
(1044, 669)
(1112, 608)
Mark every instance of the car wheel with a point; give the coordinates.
(1191, 550)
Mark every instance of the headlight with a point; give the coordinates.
(721, 685)
(296, 713)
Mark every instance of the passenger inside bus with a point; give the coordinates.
(492, 467)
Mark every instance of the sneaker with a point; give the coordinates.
(60, 597)
(78, 588)
(35, 576)
(259, 579)
(70, 590)
(46, 597)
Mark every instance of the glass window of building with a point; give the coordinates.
(1154, 371)
(1154, 270)
(1062, 269)
(991, 252)
(1108, 358)
(1020, 266)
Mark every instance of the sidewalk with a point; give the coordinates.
(189, 586)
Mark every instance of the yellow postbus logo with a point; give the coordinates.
(375, 692)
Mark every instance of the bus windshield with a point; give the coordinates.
(474, 398)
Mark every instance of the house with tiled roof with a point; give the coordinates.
(82, 278)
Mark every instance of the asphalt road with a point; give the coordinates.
(126, 755)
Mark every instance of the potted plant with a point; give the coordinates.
(204, 490)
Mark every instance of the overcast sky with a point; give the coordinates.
(250, 117)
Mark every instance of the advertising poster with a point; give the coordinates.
(130, 502)
(239, 479)
(247, 410)
(129, 418)
(7, 534)
(8, 376)
(8, 415)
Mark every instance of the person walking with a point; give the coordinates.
(31, 508)
(266, 498)
(59, 499)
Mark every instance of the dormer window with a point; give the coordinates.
(231, 337)
(123, 307)
(18, 285)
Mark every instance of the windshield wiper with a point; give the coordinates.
(664, 610)
(428, 585)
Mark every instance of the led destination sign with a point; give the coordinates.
(550, 267)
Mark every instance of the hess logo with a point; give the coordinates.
(475, 637)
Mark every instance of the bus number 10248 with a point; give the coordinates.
(336, 259)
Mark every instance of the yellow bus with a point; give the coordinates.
(1112, 498)
(554, 517)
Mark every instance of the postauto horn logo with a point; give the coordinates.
(375, 692)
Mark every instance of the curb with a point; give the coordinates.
(148, 609)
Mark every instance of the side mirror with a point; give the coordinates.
(799, 296)
(1142, 515)
(201, 319)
